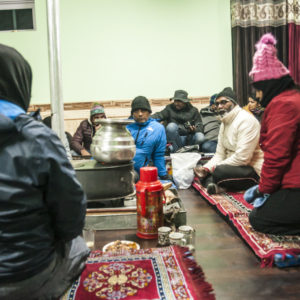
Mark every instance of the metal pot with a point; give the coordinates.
(113, 143)
(105, 182)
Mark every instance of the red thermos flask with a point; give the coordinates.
(149, 193)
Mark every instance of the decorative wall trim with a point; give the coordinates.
(112, 104)
(264, 13)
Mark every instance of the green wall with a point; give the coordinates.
(118, 49)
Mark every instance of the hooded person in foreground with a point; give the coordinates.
(42, 205)
(149, 136)
(277, 197)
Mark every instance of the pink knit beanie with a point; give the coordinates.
(266, 65)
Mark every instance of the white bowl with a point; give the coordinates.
(122, 242)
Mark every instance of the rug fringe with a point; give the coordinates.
(196, 273)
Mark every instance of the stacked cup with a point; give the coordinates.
(184, 237)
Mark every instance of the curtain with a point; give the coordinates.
(250, 20)
(294, 39)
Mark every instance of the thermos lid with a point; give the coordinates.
(148, 174)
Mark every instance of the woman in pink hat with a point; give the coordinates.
(276, 199)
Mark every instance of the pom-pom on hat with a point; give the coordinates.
(97, 108)
(266, 65)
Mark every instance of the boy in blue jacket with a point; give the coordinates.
(149, 136)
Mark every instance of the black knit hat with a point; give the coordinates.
(229, 94)
(140, 102)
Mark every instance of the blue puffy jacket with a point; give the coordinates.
(150, 139)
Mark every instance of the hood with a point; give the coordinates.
(15, 77)
(8, 129)
(207, 111)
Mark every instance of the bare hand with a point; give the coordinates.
(200, 172)
(97, 127)
(192, 128)
(84, 152)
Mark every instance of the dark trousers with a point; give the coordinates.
(232, 178)
(280, 214)
(53, 281)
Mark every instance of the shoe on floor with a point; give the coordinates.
(211, 188)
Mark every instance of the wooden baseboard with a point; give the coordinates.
(75, 112)
(113, 104)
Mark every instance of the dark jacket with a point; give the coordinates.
(211, 124)
(150, 139)
(171, 115)
(82, 139)
(280, 142)
(41, 200)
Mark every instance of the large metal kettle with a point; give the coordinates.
(113, 143)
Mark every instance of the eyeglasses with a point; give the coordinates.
(223, 102)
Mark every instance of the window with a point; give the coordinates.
(17, 15)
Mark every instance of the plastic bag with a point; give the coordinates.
(182, 166)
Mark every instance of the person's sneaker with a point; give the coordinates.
(211, 188)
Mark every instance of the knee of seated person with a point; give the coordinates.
(220, 170)
(172, 127)
(208, 147)
(254, 222)
(199, 138)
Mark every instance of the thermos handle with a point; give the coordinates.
(143, 202)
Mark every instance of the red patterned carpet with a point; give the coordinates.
(156, 273)
(236, 209)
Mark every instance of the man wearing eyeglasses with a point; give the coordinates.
(237, 162)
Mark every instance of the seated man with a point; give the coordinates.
(82, 139)
(211, 126)
(183, 122)
(42, 204)
(237, 162)
(149, 137)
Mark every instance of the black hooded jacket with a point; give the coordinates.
(41, 201)
(188, 114)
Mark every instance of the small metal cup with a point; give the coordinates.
(189, 234)
(177, 238)
(163, 235)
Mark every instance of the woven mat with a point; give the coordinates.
(156, 273)
(236, 209)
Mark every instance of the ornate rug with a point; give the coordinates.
(267, 247)
(156, 273)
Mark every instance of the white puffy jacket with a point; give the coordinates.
(238, 141)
